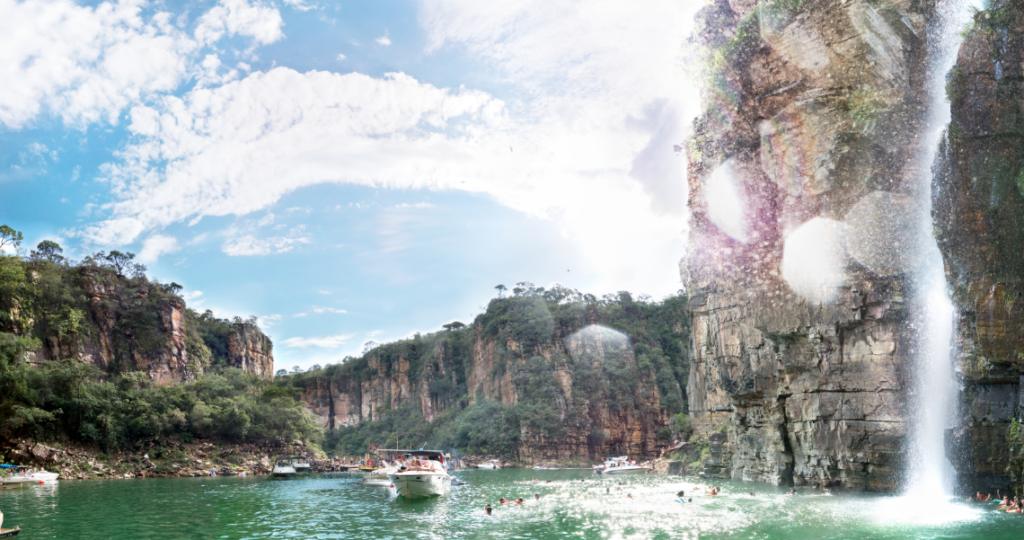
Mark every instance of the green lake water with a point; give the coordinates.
(575, 504)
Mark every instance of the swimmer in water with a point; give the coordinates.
(792, 491)
(503, 500)
(629, 495)
(681, 494)
(519, 500)
(487, 508)
(536, 496)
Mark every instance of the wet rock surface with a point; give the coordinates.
(815, 108)
(978, 208)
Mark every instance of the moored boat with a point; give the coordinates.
(283, 469)
(620, 465)
(423, 475)
(390, 460)
(24, 476)
(10, 533)
(490, 464)
(300, 464)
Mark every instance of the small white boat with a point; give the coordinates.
(25, 476)
(283, 468)
(490, 464)
(390, 460)
(300, 464)
(424, 475)
(539, 467)
(620, 465)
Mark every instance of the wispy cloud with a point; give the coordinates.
(266, 321)
(384, 40)
(328, 310)
(191, 295)
(322, 291)
(341, 57)
(374, 333)
(326, 342)
(416, 205)
(157, 245)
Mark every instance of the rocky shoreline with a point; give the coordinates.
(155, 459)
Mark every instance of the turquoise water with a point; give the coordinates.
(575, 504)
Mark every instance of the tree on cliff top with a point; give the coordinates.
(9, 238)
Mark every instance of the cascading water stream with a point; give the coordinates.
(930, 473)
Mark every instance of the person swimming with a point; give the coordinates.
(792, 491)
(536, 496)
(487, 508)
(681, 494)
(519, 500)
(503, 500)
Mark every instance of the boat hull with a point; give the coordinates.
(10, 533)
(623, 470)
(283, 472)
(421, 485)
(487, 466)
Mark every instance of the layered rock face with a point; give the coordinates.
(597, 418)
(979, 220)
(142, 335)
(803, 191)
(251, 350)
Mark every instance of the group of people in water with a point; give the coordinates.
(488, 508)
(1011, 506)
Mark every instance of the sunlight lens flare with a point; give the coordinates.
(814, 259)
(883, 232)
(726, 207)
(595, 342)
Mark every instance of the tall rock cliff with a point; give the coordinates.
(979, 220)
(803, 193)
(93, 313)
(573, 377)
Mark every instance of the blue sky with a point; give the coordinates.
(351, 171)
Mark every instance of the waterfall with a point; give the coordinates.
(930, 473)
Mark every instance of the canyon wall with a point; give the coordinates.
(804, 193)
(93, 314)
(979, 222)
(606, 392)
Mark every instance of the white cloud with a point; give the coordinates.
(298, 315)
(326, 342)
(266, 321)
(238, 17)
(374, 333)
(266, 220)
(248, 244)
(191, 295)
(157, 245)
(384, 40)
(328, 310)
(606, 97)
(86, 64)
(417, 205)
(322, 291)
(299, 5)
(341, 57)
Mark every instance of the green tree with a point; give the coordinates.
(48, 250)
(10, 238)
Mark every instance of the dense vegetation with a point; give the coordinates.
(528, 320)
(46, 305)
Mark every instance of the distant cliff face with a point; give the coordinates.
(801, 179)
(572, 388)
(93, 314)
(979, 218)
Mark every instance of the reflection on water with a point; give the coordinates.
(576, 503)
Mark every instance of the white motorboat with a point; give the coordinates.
(490, 464)
(423, 475)
(283, 468)
(300, 464)
(390, 459)
(620, 465)
(24, 476)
